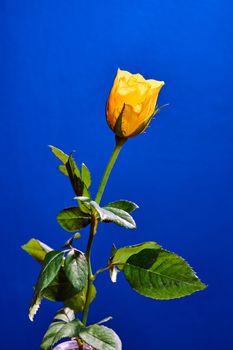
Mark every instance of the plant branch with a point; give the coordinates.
(100, 271)
(94, 222)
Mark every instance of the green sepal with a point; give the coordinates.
(118, 125)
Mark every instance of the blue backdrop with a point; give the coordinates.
(58, 62)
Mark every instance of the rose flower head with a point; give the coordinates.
(132, 103)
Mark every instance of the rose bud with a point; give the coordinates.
(132, 103)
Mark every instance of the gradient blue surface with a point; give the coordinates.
(58, 62)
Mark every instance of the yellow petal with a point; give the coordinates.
(155, 83)
(123, 74)
(130, 120)
(136, 97)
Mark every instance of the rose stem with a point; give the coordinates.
(94, 222)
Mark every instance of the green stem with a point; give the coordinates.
(100, 271)
(94, 222)
(112, 160)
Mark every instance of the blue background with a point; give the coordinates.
(58, 62)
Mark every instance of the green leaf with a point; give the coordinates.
(69, 330)
(49, 270)
(37, 249)
(66, 314)
(106, 319)
(100, 338)
(118, 216)
(86, 175)
(113, 250)
(60, 289)
(125, 205)
(74, 175)
(57, 330)
(85, 191)
(73, 219)
(35, 305)
(70, 168)
(121, 255)
(78, 185)
(59, 154)
(77, 302)
(76, 269)
(63, 170)
(84, 203)
(69, 242)
(49, 336)
(160, 274)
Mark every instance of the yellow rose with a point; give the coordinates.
(132, 103)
